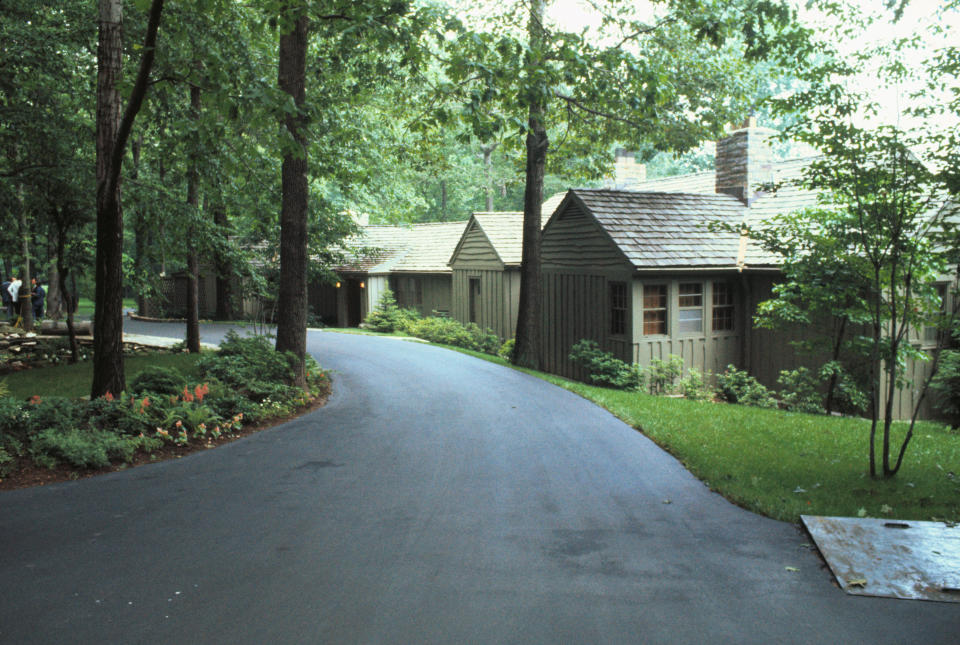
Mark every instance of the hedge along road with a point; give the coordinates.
(437, 498)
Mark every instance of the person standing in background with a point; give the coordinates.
(37, 294)
(14, 291)
(7, 300)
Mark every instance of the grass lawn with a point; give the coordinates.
(74, 380)
(85, 306)
(784, 464)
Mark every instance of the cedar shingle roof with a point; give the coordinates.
(504, 230)
(670, 231)
(666, 230)
(429, 247)
(418, 248)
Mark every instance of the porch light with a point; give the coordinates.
(338, 284)
(363, 285)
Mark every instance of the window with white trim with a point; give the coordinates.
(618, 308)
(654, 309)
(723, 306)
(690, 308)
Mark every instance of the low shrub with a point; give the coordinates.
(662, 375)
(736, 386)
(506, 350)
(447, 331)
(800, 391)
(252, 384)
(243, 360)
(603, 368)
(695, 385)
(159, 380)
(848, 396)
(80, 447)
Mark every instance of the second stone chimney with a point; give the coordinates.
(628, 173)
(744, 161)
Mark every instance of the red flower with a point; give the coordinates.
(108, 396)
(201, 391)
(187, 396)
(35, 399)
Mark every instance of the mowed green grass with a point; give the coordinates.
(85, 306)
(786, 464)
(74, 380)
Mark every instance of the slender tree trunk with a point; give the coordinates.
(292, 293)
(526, 350)
(65, 294)
(487, 176)
(193, 260)
(112, 134)
(24, 298)
(837, 345)
(224, 285)
(443, 200)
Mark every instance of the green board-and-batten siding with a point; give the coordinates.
(435, 292)
(497, 303)
(575, 306)
(498, 300)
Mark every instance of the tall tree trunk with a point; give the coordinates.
(835, 357)
(54, 297)
(526, 350)
(193, 261)
(292, 293)
(224, 285)
(24, 299)
(139, 229)
(112, 134)
(108, 373)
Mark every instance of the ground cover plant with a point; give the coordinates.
(387, 317)
(783, 464)
(165, 410)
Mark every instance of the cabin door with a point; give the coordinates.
(474, 299)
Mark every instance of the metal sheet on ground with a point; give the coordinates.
(890, 558)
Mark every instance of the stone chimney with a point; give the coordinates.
(628, 173)
(744, 161)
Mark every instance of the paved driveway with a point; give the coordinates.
(437, 498)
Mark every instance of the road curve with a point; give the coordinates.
(437, 498)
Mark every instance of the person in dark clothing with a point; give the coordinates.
(37, 295)
(7, 300)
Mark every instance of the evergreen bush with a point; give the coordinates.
(603, 368)
(736, 386)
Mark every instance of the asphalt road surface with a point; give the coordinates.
(436, 498)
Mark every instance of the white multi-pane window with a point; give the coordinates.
(723, 308)
(618, 308)
(690, 308)
(654, 309)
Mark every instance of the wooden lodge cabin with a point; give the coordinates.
(645, 275)
(411, 261)
(486, 269)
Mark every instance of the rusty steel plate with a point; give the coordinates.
(890, 558)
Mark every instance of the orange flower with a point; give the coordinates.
(179, 423)
(35, 399)
(108, 396)
(201, 391)
(187, 396)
